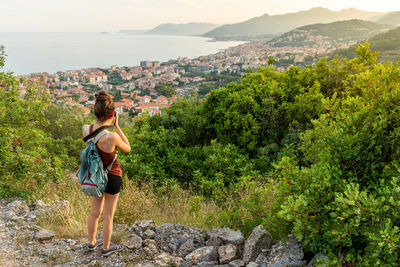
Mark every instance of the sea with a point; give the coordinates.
(52, 52)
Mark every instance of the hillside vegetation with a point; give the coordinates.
(388, 45)
(336, 32)
(392, 18)
(313, 152)
(278, 24)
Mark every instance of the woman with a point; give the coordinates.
(106, 146)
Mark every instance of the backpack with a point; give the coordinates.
(91, 174)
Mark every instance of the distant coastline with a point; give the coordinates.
(53, 52)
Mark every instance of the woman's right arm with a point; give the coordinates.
(121, 141)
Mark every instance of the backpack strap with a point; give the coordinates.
(112, 162)
(96, 133)
(99, 135)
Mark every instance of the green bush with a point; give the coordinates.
(38, 140)
(345, 200)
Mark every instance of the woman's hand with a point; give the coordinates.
(116, 119)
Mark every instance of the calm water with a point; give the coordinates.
(52, 52)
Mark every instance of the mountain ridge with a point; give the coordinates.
(191, 28)
(277, 24)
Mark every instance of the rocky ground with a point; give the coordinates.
(24, 243)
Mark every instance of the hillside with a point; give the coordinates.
(336, 32)
(388, 45)
(192, 28)
(392, 18)
(267, 24)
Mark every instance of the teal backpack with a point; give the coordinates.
(91, 174)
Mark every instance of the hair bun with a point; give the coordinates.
(101, 97)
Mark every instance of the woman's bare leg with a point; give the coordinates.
(110, 203)
(93, 219)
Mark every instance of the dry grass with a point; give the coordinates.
(135, 203)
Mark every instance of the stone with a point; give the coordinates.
(226, 235)
(319, 260)
(227, 253)
(179, 240)
(202, 254)
(214, 241)
(40, 204)
(258, 239)
(187, 247)
(262, 259)
(236, 263)
(120, 228)
(286, 254)
(167, 260)
(58, 210)
(139, 227)
(206, 264)
(18, 208)
(252, 264)
(145, 264)
(150, 247)
(186, 263)
(44, 235)
(149, 233)
(134, 242)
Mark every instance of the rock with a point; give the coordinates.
(149, 233)
(150, 247)
(262, 259)
(206, 264)
(133, 242)
(44, 235)
(214, 241)
(227, 253)
(179, 240)
(289, 254)
(252, 264)
(60, 211)
(258, 239)
(202, 254)
(236, 263)
(319, 260)
(39, 204)
(120, 228)
(166, 259)
(18, 207)
(187, 247)
(226, 235)
(145, 264)
(139, 227)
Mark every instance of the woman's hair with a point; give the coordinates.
(103, 106)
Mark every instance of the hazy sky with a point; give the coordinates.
(113, 15)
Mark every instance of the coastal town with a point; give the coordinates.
(154, 85)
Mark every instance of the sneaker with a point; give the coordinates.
(95, 245)
(111, 250)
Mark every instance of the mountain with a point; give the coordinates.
(388, 45)
(337, 32)
(192, 28)
(267, 24)
(392, 18)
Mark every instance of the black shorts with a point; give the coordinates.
(114, 184)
